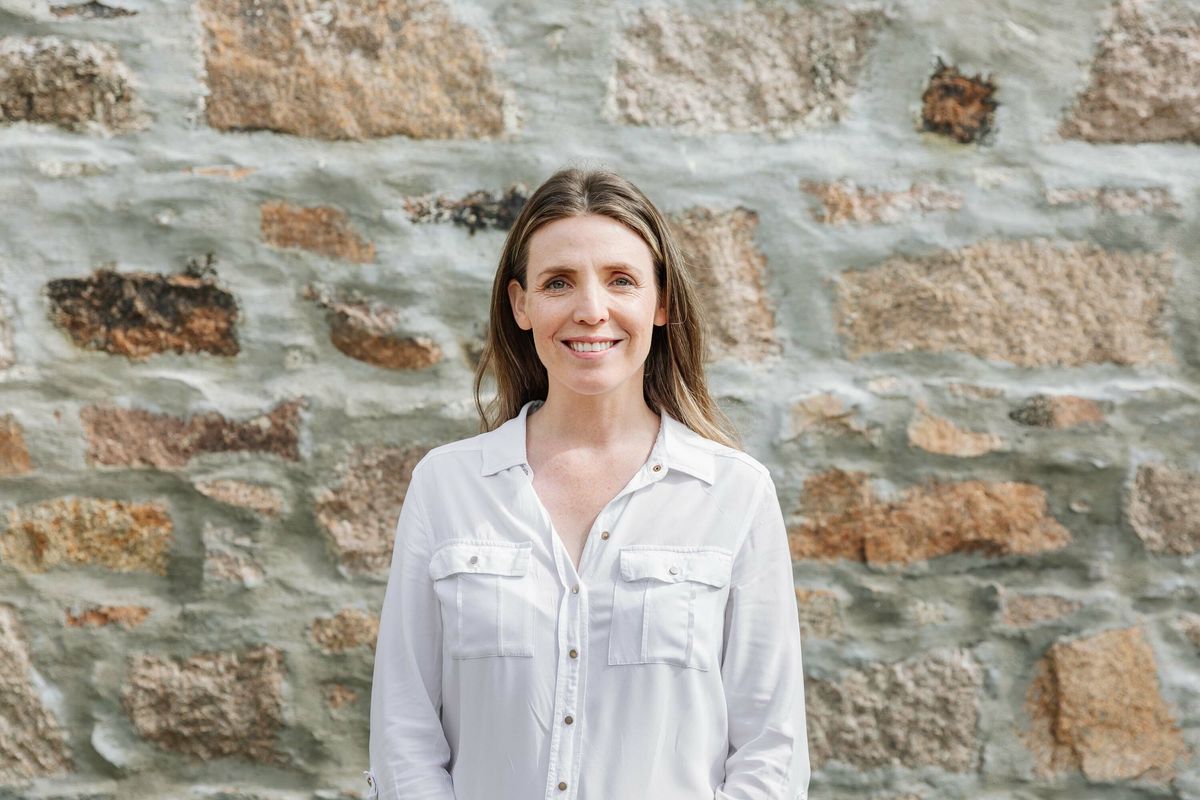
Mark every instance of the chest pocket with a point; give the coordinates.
(486, 589)
(669, 605)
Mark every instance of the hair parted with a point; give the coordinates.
(674, 372)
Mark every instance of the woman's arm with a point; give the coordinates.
(408, 748)
(761, 665)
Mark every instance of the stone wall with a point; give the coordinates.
(949, 255)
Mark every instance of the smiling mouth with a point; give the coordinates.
(592, 347)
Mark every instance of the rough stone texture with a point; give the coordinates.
(55, 168)
(265, 500)
(32, 741)
(1115, 200)
(843, 519)
(346, 70)
(846, 202)
(1189, 625)
(220, 565)
(222, 171)
(1026, 301)
(957, 106)
(14, 454)
(762, 68)
(91, 10)
(1164, 509)
(339, 696)
(138, 314)
(7, 356)
(79, 86)
(919, 712)
(128, 617)
(475, 211)
(939, 435)
(1057, 411)
(347, 629)
(321, 229)
(360, 511)
(730, 272)
(1144, 84)
(1096, 707)
(139, 438)
(972, 391)
(211, 705)
(115, 534)
(826, 414)
(820, 617)
(366, 331)
(228, 558)
(261, 544)
(924, 613)
(1025, 610)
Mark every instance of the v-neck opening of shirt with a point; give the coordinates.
(628, 488)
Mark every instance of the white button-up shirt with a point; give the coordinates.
(667, 667)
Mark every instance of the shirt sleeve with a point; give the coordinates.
(409, 753)
(761, 665)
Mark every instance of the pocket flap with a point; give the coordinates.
(712, 567)
(493, 558)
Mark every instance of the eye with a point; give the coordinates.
(625, 278)
(550, 284)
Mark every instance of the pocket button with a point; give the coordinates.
(674, 570)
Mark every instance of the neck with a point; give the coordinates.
(593, 421)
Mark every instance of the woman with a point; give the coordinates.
(592, 599)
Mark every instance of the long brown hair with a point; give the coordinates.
(674, 372)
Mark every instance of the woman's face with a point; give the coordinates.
(589, 277)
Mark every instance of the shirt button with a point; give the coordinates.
(657, 467)
(604, 535)
(562, 785)
(674, 570)
(474, 559)
(575, 588)
(574, 653)
(569, 720)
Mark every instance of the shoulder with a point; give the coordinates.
(461, 452)
(738, 461)
(726, 459)
(732, 468)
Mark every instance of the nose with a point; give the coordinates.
(591, 306)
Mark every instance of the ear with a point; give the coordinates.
(660, 314)
(516, 298)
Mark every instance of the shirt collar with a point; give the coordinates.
(677, 446)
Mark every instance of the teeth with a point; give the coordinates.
(590, 347)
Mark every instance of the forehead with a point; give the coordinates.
(591, 240)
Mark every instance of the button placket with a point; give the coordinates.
(564, 749)
(565, 754)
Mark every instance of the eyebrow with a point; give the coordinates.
(569, 270)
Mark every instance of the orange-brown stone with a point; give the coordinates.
(347, 629)
(730, 274)
(211, 705)
(127, 617)
(1028, 302)
(367, 332)
(1096, 707)
(957, 106)
(359, 512)
(14, 454)
(339, 69)
(845, 520)
(138, 314)
(118, 535)
(136, 437)
(319, 229)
